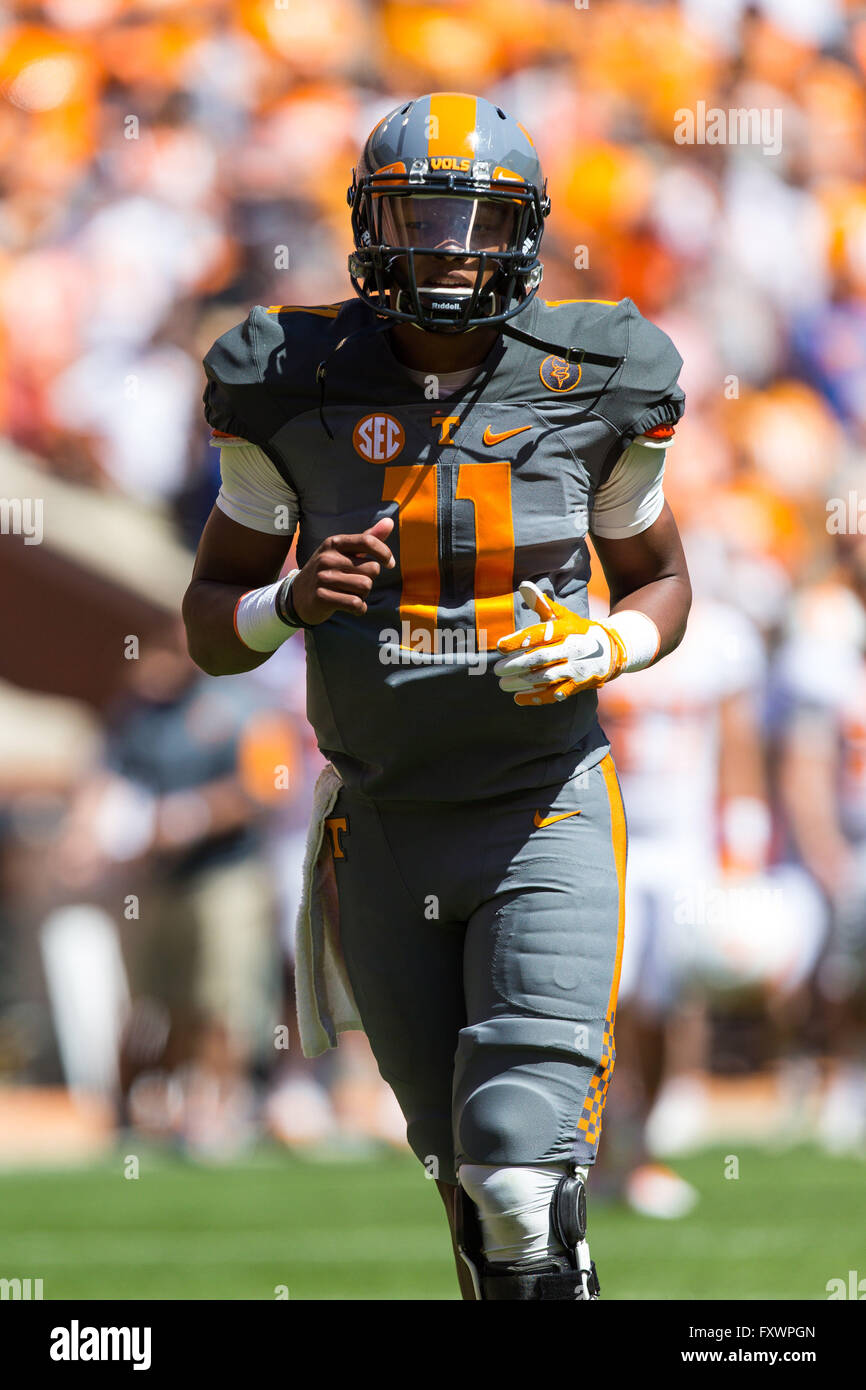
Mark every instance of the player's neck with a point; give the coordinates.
(441, 352)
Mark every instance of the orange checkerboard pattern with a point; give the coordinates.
(589, 1124)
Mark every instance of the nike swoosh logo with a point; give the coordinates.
(549, 820)
(489, 437)
(587, 656)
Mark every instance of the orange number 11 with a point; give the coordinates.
(414, 487)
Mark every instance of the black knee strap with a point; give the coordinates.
(554, 1281)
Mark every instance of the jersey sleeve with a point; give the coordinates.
(220, 414)
(633, 497)
(648, 397)
(252, 493)
(232, 377)
(236, 399)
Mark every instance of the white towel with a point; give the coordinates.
(325, 1003)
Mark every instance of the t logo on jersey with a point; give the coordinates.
(337, 826)
(378, 438)
(446, 423)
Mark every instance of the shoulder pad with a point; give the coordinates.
(643, 396)
(647, 398)
(257, 368)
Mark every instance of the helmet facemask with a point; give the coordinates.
(447, 256)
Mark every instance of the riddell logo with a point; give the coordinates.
(378, 438)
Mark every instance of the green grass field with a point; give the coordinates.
(365, 1228)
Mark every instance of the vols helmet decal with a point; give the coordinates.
(448, 206)
(559, 375)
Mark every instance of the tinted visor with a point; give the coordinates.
(448, 223)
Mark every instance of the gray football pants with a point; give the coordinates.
(483, 943)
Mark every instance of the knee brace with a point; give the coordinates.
(522, 1232)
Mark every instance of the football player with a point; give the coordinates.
(442, 467)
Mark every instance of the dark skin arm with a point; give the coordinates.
(648, 572)
(233, 559)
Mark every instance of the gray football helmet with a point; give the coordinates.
(448, 207)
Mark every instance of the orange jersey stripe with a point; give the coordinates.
(618, 835)
(555, 303)
(329, 311)
(452, 124)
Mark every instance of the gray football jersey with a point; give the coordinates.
(487, 488)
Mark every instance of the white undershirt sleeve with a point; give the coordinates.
(252, 493)
(632, 498)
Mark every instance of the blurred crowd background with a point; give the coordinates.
(163, 167)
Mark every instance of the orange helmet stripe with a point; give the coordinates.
(452, 124)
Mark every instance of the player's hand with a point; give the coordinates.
(557, 657)
(339, 575)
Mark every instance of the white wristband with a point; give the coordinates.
(639, 635)
(256, 620)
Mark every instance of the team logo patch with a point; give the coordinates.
(378, 438)
(337, 827)
(559, 375)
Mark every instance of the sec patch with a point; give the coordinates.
(559, 375)
(378, 438)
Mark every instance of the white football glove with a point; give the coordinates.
(559, 656)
